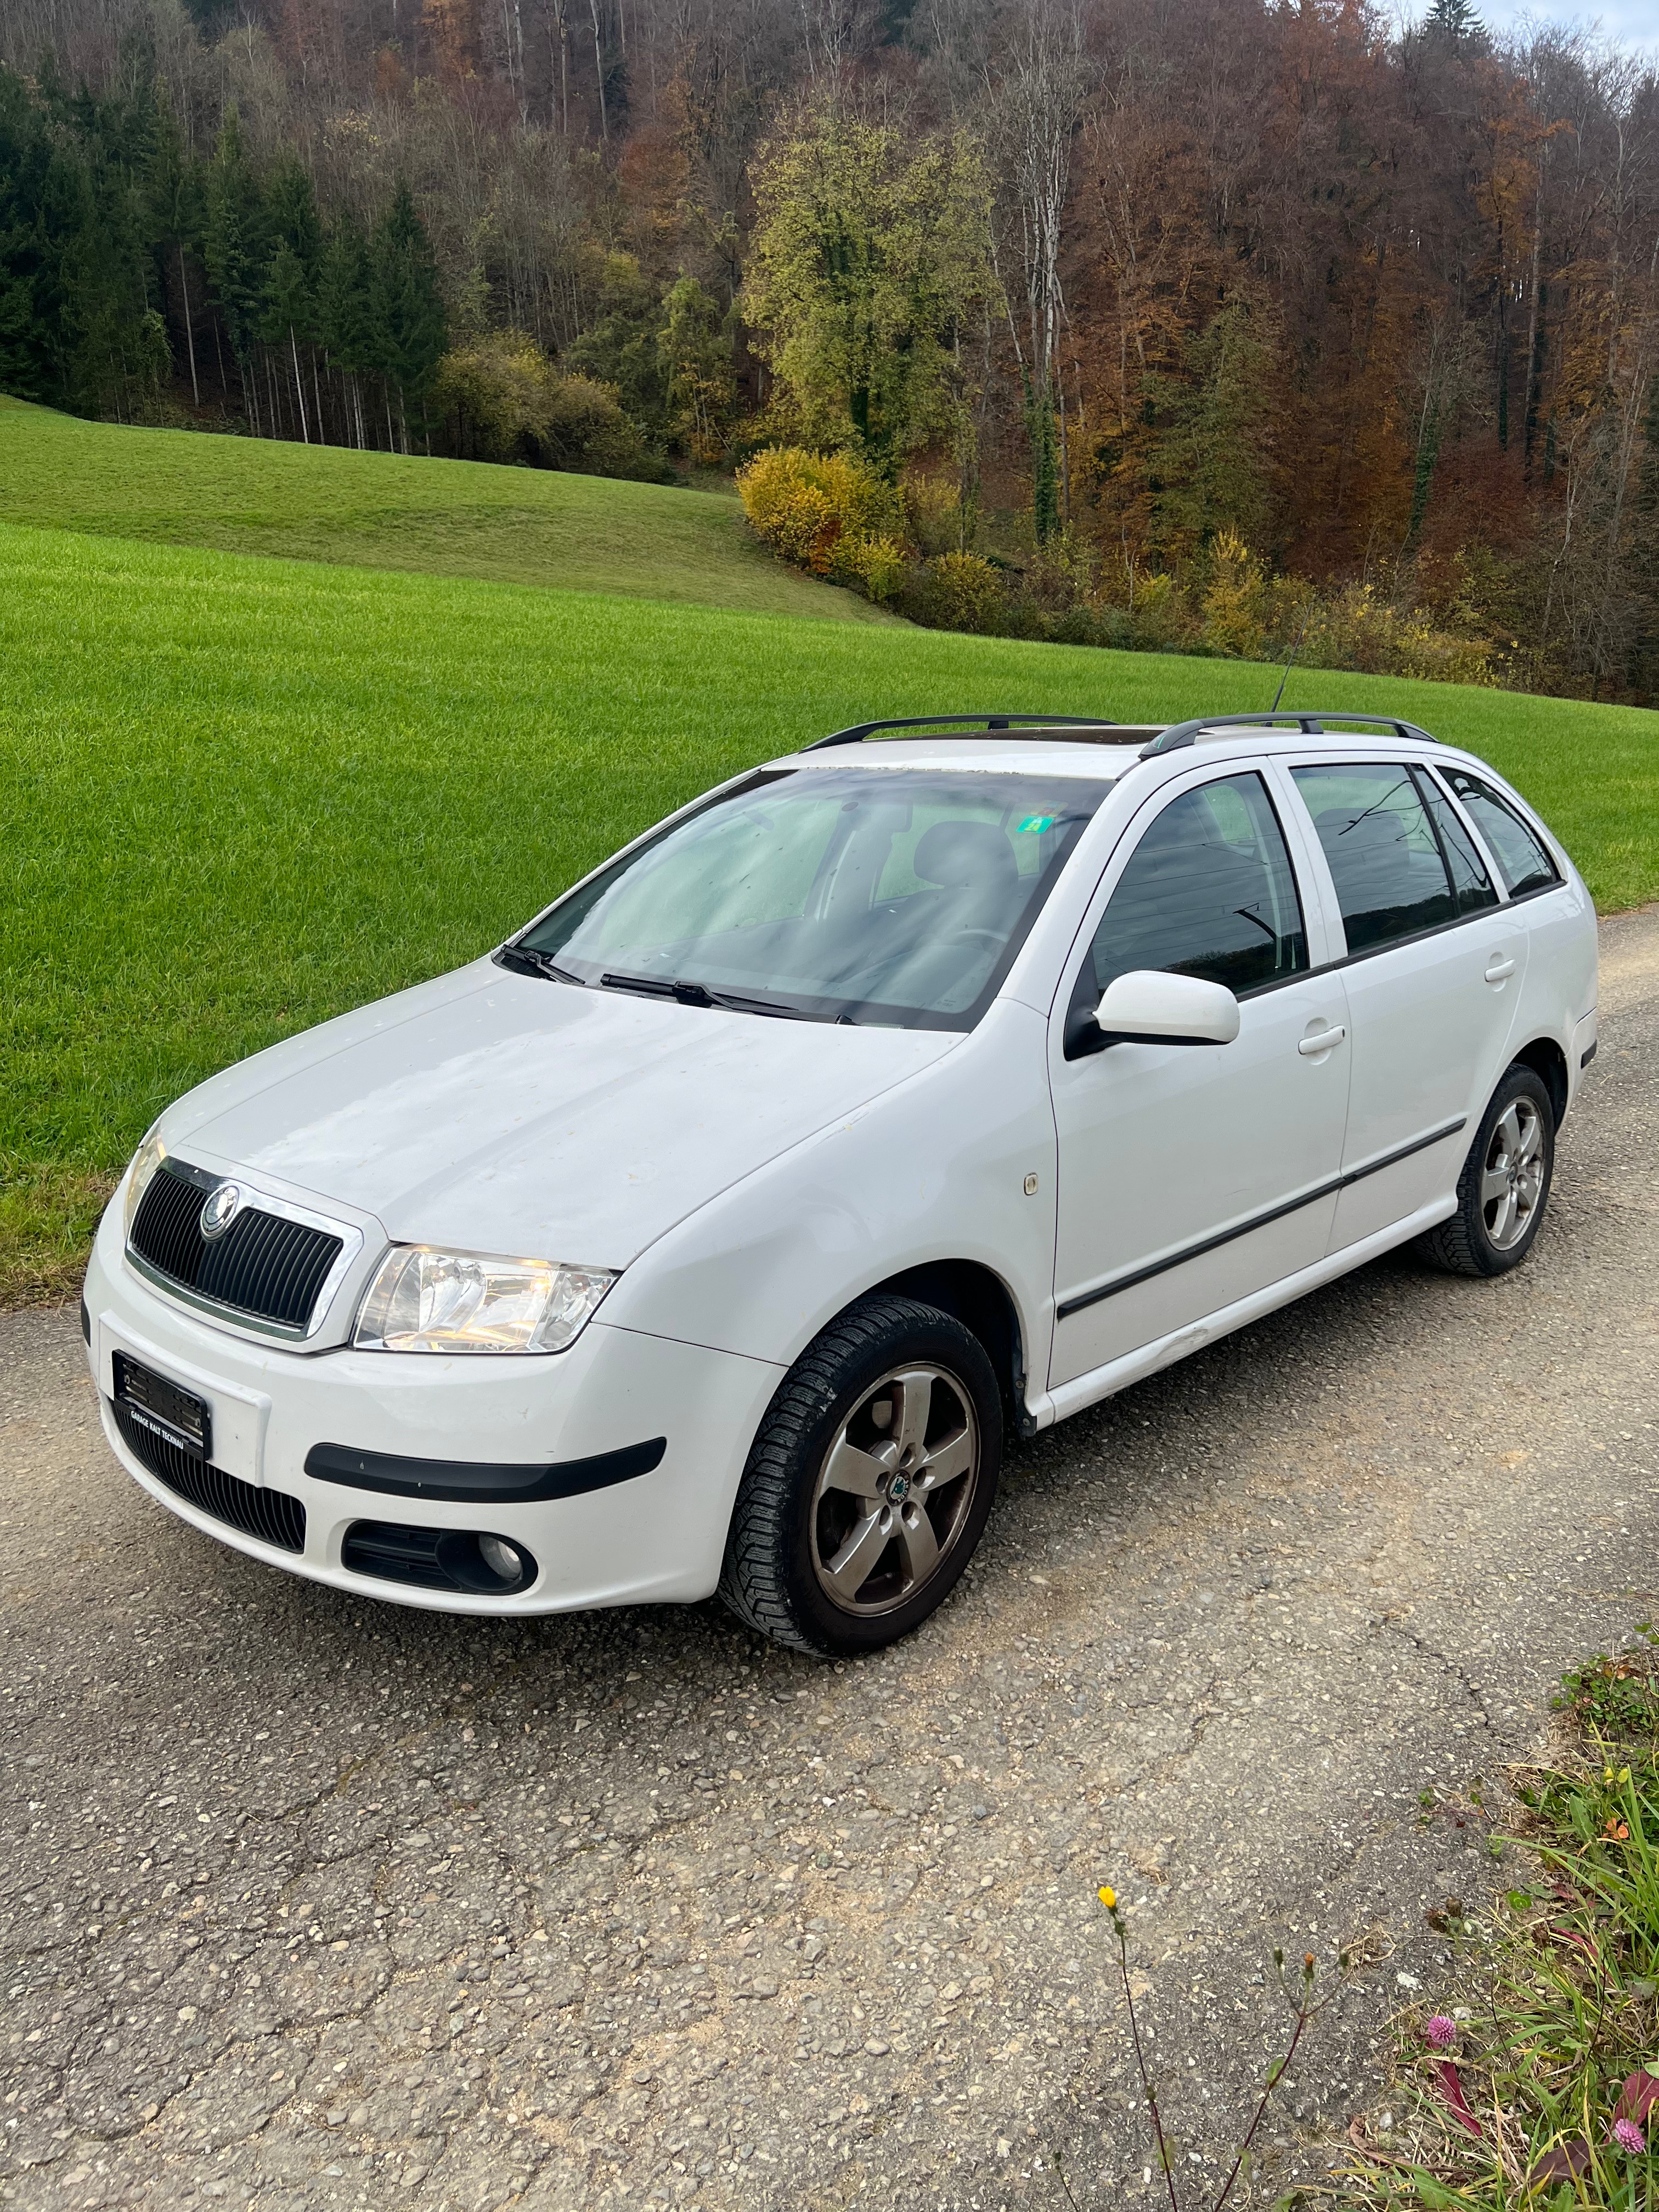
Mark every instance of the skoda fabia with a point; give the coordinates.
(715, 1231)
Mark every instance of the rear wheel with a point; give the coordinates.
(870, 1483)
(1505, 1183)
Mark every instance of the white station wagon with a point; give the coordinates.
(937, 1081)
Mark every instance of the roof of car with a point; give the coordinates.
(1032, 744)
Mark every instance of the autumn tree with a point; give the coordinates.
(870, 249)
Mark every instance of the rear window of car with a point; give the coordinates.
(1522, 861)
(1385, 859)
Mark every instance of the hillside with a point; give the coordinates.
(385, 511)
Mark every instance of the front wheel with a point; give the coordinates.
(1505, 1183)
(870, 1482)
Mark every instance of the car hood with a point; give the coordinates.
(496, 1112)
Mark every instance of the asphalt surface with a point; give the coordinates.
(308, 1902)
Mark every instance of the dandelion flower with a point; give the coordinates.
(1107, 1895)
(1628, 2137)
(1441, 2032)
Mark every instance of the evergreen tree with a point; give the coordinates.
(237, 247)
(1453, 19)
(30, 303)
(408, 310)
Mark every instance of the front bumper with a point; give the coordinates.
(659, 1535)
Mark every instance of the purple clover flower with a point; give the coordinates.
(1441, 2032)
(1628, 2137)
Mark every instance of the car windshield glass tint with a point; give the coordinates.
(892, 896)
(1385, 859)
(1525, 864)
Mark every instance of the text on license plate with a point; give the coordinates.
(176, 1415)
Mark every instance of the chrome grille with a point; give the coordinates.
(263, 1265)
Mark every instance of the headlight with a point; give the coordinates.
(145, 1161)
(426, 1301)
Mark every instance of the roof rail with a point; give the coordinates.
(860, 731)
(1310, 725)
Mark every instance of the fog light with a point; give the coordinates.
(503, 1559)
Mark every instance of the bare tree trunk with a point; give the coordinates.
(1040, 90)
(190, 335)
(599, 71)
(299, 388)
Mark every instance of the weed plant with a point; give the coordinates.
(1538, 2089)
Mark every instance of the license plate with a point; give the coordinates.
(176, 1416)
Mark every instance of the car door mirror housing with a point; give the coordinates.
(1151, 1006)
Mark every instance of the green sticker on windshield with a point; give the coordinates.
(1034, 824)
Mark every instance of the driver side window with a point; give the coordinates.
(1208, 892)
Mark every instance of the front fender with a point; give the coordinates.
(935, 1168)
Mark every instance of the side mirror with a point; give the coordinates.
(1148, 1007)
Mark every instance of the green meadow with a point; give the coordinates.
(387, 511)
(239, 795)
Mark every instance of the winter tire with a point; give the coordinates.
(870, 1482)
(1505, 1183)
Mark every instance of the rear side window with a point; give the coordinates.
(1471, 884)
(1521, 860)
(1208, 892)
(1385, 859)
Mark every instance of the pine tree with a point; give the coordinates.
(237, 244)
(408, 309)
(1453, 19)
(345, 320)
(29, 332)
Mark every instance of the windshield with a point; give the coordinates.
(896, 896)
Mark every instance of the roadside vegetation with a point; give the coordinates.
(1534, 2079)
(238, 795)
(911, 546)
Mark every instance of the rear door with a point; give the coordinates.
(1432, 969)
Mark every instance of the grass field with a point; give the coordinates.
(238, 795)
(381, 511)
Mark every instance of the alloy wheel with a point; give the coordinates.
(1512, 1180)
(895, 1490)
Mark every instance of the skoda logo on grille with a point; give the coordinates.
(220, 1209)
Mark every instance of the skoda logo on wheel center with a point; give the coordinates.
(220, 1209)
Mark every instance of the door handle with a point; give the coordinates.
(1498, 967)
(1321, 1041)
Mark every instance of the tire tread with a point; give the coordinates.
(752, 1582)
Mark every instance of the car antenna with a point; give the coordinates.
(1291, 663)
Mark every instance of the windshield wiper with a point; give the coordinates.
(699, 994)
(524, 960)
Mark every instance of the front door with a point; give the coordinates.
(1191, 1176)
(1433, 974)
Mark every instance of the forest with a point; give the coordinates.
(1226, 327)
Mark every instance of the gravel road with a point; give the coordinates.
(307, 1902)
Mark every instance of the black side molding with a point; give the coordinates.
(471, 1482)
(1586, 1056)
(1256, 1221)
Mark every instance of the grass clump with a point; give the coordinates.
(1540, 2088)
